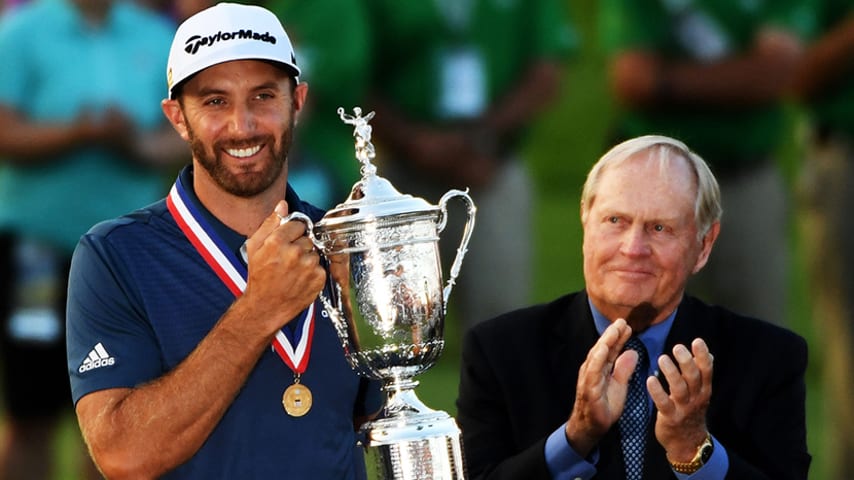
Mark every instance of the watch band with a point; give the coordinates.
(704, 452)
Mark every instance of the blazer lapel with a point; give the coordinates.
(573, 334)
(690, 323)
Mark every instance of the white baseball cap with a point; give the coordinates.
(227, 32)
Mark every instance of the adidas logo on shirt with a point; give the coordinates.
(98, 357)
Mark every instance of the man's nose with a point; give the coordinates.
(636, 241)
(242, 119)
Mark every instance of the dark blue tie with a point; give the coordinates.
(633, 421)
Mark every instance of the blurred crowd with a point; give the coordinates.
(458, 86)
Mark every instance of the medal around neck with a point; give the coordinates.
(297, 399)
(388, 304)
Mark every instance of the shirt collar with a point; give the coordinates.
(653, 338)
(231, 238)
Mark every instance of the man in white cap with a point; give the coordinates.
(170, 325)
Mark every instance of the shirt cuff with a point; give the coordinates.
(565, 463)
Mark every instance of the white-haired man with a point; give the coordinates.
(547, 391)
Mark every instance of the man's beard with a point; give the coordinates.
(246, 185)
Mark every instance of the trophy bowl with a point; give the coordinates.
(386, 298)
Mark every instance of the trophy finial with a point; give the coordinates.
(362, 131)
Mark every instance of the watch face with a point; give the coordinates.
(706, 452)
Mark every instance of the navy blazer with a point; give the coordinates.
(520, 370)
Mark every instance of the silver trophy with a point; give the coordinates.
(388, 305)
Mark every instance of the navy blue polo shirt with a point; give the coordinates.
(141, 298)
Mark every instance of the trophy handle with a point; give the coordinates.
(309, 226)
(309, 231)
(471, 210)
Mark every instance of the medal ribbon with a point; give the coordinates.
(233, 274)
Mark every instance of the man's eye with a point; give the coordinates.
(613, 219)
(658, 227)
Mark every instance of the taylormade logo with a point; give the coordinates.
(194, 43)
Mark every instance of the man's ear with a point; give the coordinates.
(172, 110)
(300, 95)
(708, 241)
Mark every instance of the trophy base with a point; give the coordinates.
(414, 447)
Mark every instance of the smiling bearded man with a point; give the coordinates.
(190, 356)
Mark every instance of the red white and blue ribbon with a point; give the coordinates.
(234, 273)
(297, 358)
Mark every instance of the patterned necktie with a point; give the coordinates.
(633, 421)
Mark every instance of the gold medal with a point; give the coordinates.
(297, 399)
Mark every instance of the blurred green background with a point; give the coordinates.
(565, 142)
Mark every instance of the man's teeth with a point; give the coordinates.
(243, 152)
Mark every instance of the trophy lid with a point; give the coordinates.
(372, 197)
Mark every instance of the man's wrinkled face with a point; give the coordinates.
(239, 119)
(640, 236)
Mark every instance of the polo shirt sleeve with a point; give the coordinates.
(14, 76)
(110, 344)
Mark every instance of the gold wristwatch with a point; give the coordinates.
(700, 459)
